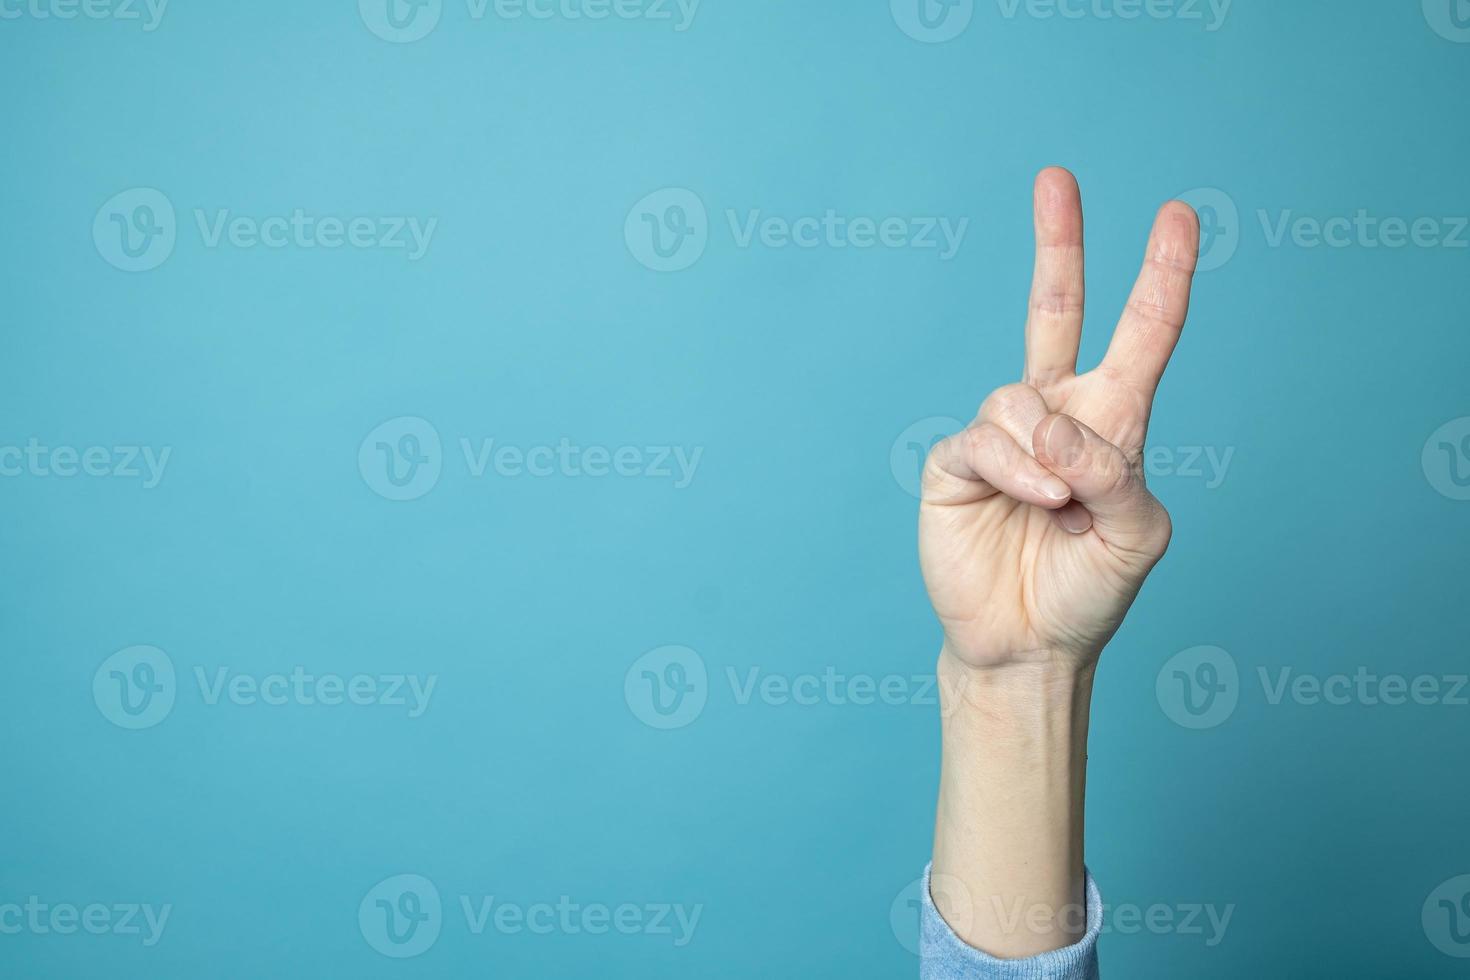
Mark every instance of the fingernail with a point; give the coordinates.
(1064, 441)
(1073, 520)
(1052, 488)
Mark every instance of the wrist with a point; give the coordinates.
(1019, 695)
(1010, 815)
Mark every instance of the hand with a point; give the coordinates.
(1036, 529)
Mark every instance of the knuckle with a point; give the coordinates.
(1115, 471)
(1161, 529)
(1056, 299)
(986, 444)
(1006, 401)
(940, 455)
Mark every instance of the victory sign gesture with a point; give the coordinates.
(1036, 528)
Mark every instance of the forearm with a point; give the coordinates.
(1008, 836)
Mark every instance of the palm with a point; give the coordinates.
(1014, 572)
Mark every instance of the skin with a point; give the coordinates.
(1036, 532)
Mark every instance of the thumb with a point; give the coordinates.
(1105, 483)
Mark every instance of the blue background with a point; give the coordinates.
(529, 320)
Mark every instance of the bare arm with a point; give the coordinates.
(1036, 533)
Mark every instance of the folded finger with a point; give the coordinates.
(985, 460)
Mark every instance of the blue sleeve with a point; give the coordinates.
(944, 956)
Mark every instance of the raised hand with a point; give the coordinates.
(1036, 528)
